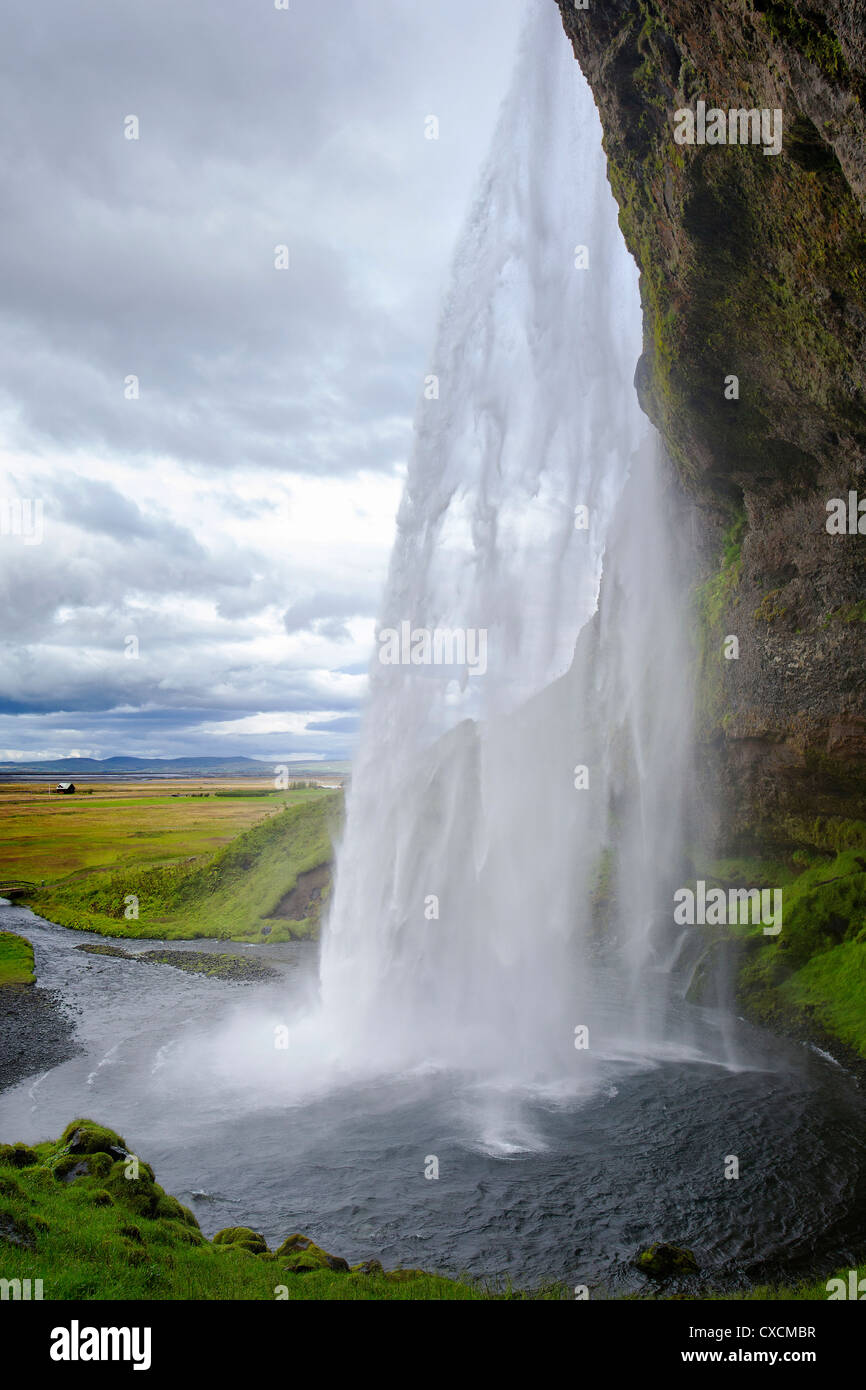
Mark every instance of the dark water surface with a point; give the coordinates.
(532, 1185)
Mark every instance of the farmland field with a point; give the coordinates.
(48, 837)
(229, 859)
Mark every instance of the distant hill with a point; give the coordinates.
(85, 768)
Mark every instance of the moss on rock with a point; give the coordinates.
(72, 1166)
(244, 1237)
(662, 1262)
(18, 1155)
(85, 1137)
(298, 1254)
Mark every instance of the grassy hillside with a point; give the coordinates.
(73, 1214)
(231, 894)
(16, 960)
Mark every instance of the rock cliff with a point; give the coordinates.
(753, 266)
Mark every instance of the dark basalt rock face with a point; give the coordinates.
(754, 266)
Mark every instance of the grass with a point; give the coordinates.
(52, 839)
(814, 972)
(833, 987)
(805, 1290)
(16, 960)
(231, 894)
(102, 1233)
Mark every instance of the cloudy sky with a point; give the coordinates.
(201, 451)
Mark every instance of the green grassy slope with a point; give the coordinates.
(16, 960)
(813, 974)
(230, 894)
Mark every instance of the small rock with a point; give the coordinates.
(662, 1262)
(244, 1237)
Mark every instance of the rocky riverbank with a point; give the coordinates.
(35, 1031)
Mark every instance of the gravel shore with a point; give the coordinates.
(35, 1033)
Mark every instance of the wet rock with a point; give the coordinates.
(72, 1166)
(94, 950)
(216, 965)
(663, 1262)
(752, 266)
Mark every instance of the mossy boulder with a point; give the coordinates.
(140, 1194)
(663, 1261)
(18, 1156)
(70, 1167)
(368, 1267)
(85, 1137)
(170, 1209)
(244, 1237)
(300, 1255)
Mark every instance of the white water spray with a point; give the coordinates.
(485, 905)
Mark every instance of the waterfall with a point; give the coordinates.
(514, 830)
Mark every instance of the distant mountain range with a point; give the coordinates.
(165, 767)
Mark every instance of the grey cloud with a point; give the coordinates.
(98, 507)
(324, 610)
(155, 258)
(348, 725)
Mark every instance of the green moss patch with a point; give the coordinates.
(812, 976)
(713, 603)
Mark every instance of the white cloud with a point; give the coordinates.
(260, 470)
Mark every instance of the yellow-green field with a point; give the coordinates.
(48, 838)
(196, 865)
